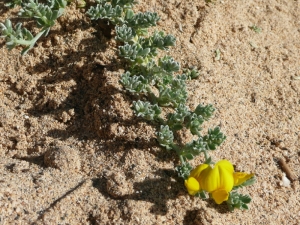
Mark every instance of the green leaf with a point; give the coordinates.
(214, 138)
(201, 194)
(123, 3)
(176, 119)
(244, 206)
(144, 52)
(184, 170)
(245, 199)
(107, 11)
(173, 94)
(129, 14)
(208, 161)
(194, 148)
(124, 33)
(18, 36)
(168, 64)
(159, 40)
(256, 29)
(142, 20)
(134, 84)
(146, 110)
(191, 74)
(165, 137)
(238, 201)
(45, 15)
(13, 3)
(205, 111)
(194, 123)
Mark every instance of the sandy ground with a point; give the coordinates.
(72, 152)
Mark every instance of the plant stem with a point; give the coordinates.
(181, 159)
(205, 155)
(177, 150)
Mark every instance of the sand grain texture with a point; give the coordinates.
(72, 151)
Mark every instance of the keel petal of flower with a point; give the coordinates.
(192, 185)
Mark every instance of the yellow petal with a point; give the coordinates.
(197, 171)
(208, 180)
(225, 164)
(226, 178)
(240, 177)
(220, 177)
(192, 185)
(220, 196)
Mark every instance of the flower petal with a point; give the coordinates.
(192, 185)
(240, 177)
(197, 171)
(225, 164)
(226, 178)
(220, 177)
(220, 196)
(208, 179)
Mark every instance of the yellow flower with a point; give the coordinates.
(192, 183)
(218, 181)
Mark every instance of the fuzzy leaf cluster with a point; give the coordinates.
(142, 20)
(125, 34)
(157, 41)
(184, 170)
(134, 84)
(119, 12)
(134, 52)
(238, 201)
(191, 74)
(189, 150)
(193, 121)
(204, 144)
(160, 73)
(173, 94)
(205, 111)
(194, 148)
(165, 137)
(168, 65)
(139, 49)
(13, 3)
(176, 120)
(182, 117)
(121, 3)
(146, 110)
(214, 138)
(130, 29)
(18, 36)
(106, 11)
(45, 16)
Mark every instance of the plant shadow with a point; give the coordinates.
(154, 190)
(222, 208)
(90, 98)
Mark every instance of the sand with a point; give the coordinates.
(72, 151)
